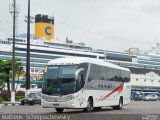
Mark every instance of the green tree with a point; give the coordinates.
(19, 71)
(2, 81)
(5, 68)
(6, 71)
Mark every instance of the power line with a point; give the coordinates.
(83, 29)
(124, 39)
(5, 21)
(104, 35)
(99, 33)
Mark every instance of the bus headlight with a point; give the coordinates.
(70, 97)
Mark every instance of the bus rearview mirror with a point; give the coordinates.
(77, 72)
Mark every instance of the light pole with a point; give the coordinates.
(13, 54)
(28, 52)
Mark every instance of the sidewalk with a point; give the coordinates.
(7, 103)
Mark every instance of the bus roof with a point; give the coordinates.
(79, 60)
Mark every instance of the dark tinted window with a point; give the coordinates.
(106, 73)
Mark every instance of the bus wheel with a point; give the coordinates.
(59, 110)
(119, 107)
(89, 107)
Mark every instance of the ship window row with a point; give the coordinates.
(149, 62)
(155, 57)
(150, 59)
(158, 59)
(35, 60)
(68, 46)
(62, 53)
(35, 65)
(5, 53)
(40, 63)
(101, 57)
(137, 65)
(43, 56)
(37, 56)
(16, 40)
(32, 55)
(120, 64)
(19, 55)
(118, 57)
(4, 42)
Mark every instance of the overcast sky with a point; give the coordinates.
(105, 24)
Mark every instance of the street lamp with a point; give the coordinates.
(13, 54)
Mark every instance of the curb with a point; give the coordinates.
(9, 104)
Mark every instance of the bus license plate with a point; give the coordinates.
(56, 105)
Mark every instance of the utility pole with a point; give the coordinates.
(14, 9)
(13, 54)
(28, 52)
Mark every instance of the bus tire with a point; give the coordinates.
(59, 110)
(89, 107)
(119, 107)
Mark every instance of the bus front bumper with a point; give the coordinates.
(66, 104)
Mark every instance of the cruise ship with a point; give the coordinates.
(145, 68)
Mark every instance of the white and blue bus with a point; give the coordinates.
(85, 83)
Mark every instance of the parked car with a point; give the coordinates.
(151, 97)
(136, 97)
(31, 99)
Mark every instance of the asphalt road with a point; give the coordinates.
(137, 110)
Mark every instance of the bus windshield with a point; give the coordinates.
(59, 80)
